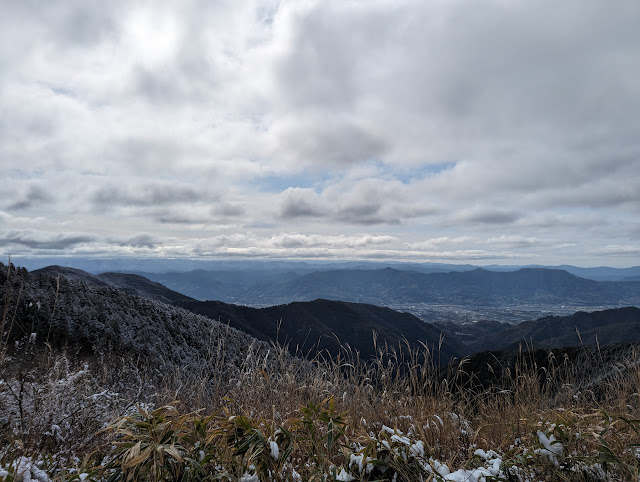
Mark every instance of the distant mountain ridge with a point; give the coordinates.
(152, 266)
(478, 286)
(228, 286)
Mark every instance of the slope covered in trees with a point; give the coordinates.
(325, 325)
(90, 318)
(620, 325)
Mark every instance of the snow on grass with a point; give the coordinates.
(552, 448)
(345, 476)
(275, 450)
(25, 470)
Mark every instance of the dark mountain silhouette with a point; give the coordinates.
(479, 286)
(141, 286)
(70, 273)
(621, 325)
(324, 325)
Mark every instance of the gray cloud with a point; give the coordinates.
(149, 152)
(35, 196)
(225, 209)
(287, 240)
(365, 202)
(299, 203)
(183, 218)
(618, 250)
(156, 194)
(142, 240)
(31, 238)
(373, 201)
(529, 243)
(366, 212)
(205, 212)
(325, 138)
(372, 212)
(489, 216)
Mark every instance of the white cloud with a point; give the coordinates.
(435, 244)
(289, 240)
(311, 118)
(618, 250)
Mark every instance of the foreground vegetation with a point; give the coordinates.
(72, 414)
(390, 420)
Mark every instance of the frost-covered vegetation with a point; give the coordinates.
(96, 384)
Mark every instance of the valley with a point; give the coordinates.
(515, 313)
(435, 296)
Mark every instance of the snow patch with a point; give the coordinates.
(345, 476)
(552, 448)
(275, 450)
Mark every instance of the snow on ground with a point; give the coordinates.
(484, 465)
(552, 449)
(25, 470)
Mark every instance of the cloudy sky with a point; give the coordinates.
(500, 131)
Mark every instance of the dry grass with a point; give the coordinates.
(355, 401)
(278, 394)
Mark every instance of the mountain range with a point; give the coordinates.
(148, 266)
(476, 287)
(326, 324)
(389, 287)
(307, 328)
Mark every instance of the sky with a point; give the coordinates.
(459, 131)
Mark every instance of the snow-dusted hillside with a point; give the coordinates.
(89, 318)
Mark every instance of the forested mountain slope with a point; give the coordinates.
(324, 325)
(132, 283)
(305, 327)
(621, 325)
(93, 318)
